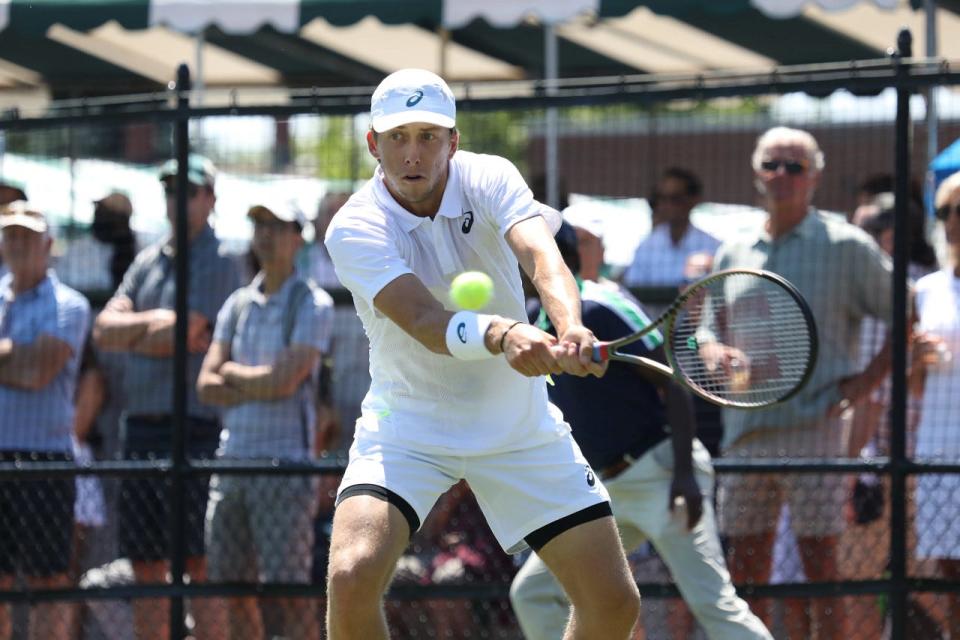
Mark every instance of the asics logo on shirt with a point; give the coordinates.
(462, 332)
(415, 98)
(591, 479)
(467, 222)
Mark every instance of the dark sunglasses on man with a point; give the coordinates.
(192, 191)
(791, 167)
(944, 212)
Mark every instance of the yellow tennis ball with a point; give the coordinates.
(471, 290)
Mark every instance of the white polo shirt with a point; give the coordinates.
(428, 402)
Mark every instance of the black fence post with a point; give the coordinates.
(898, 409)
(179, 462)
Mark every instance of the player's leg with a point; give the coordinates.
(589, 563)
(538, 601)
(369, 536)
(387, 491)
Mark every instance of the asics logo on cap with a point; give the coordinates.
(415, 98)
(462, 332)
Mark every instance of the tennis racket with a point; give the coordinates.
(738, 338)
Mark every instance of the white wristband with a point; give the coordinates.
(465, 334)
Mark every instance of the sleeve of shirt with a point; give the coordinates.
(72, 321)
(508, 195)
(226, 325)
(208, 296)
(364, 256)
(133, 278)
(874, 292)
(314, 322)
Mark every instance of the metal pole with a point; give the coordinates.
(930, 9)
(898, 409)
(550, 148)
(181, 262)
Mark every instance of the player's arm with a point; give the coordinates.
(32, 366)
(536, 250)
(409, 304)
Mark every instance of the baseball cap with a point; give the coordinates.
(22, 214)
(586, 217)
(288, 212)
(200, 170)
(7, 183)
(412, 95)
(116, 201)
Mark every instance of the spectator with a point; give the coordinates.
(936, 378)
(11, 191)
(315, 259)
(620, 423)
(261, 369)
(660, 258)
(96, 261)
(42, 328)
(809, 249)
(346, 367)
(139, 320)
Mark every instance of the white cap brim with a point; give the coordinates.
(23, 220)
(387, 122)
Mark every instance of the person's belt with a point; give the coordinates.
(611, 471)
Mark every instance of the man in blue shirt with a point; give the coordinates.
(139, 320)
(637, 432)
(43, 324)
(261, 368)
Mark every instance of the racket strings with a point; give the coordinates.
(742, 339)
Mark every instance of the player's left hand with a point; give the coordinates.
(684, 490)
(575, 352)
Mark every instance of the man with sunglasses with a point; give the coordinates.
(139, 320)
(660, 258)
(844, 277)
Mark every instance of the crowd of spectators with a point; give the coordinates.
(276, 371)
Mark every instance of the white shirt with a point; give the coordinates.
(418, 399)
(658, 262)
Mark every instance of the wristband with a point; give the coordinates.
(465, 334)
(503, 336)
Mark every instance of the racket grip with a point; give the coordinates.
(600, 352)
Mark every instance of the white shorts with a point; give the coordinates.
(519, 492)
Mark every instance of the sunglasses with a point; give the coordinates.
(944, 212)
(791, 167)
(192, 191)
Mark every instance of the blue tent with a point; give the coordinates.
(945, 164)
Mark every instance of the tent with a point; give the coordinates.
(77, 48)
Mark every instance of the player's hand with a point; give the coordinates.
(576, 354)
(530, 351)
(685, 492)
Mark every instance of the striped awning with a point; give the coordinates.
(90, 47)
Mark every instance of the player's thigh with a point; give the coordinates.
(531, 495)
(589, 563)
(369, 536)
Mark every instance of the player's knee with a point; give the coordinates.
(357, 573)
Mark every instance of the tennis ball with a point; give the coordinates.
(471, 290)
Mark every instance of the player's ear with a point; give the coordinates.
(454, 141)
(372, 144)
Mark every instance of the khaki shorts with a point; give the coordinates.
(750, 503)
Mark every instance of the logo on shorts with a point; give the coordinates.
(467, 222)
(415, 98)
(591, 479)
(462, 332)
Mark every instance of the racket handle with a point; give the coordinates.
(600, 352)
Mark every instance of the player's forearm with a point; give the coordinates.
(558, 294)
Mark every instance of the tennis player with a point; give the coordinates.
(462, 394)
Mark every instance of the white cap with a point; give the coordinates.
(412, 95)
(285, 211)
(23, 214)
(586, 217)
